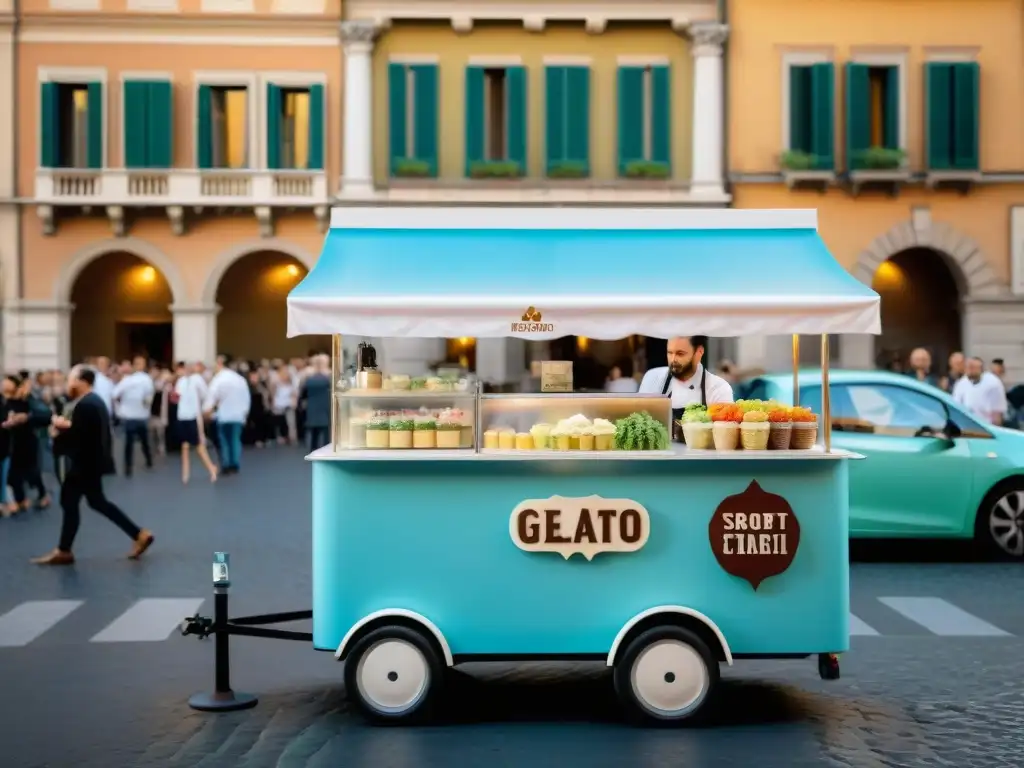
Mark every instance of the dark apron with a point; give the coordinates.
(677, 413)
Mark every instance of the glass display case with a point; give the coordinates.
(570, 421)
(406, 419)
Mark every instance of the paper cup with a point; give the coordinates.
(779, 436)
(698, 435)
(603, 442)
(448, 438)
(754, 435)
(586, 442)
(805, 435)
(562, 442)
(424, 438)
(726, 435)
(400, 438)
(377, 438)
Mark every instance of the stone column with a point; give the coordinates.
(194, 333)
(708, 108)
(357, 119)
(36, 335)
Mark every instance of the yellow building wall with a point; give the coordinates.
(453, 51)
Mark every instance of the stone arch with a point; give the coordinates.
(65, 282)
(962, 255)
(226, 258)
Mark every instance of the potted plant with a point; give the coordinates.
(568, 169)
(449, 429)
(880, 159)
(424, 433)
(795, 160)
(377, 428)
(640, 432)
(409, 168)
(647, 169)
(496, 169)
(400, 431)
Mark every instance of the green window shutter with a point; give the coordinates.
(515, 116)
(577, 115)
(316, 128)
(938, 78)
(159, 124)
(274, 115)
(799, 109)
(398, 120)
(204, 127)
(426, 107)
(94, 131)
(631, 116)
(822, 116)
(858, 114)
(661, 120)
(474, 117)
(555, 116)
(136, 127)
(49, 130)
(966, 107)
(891, 129)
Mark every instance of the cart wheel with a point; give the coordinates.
(666, 675)
(394, 675)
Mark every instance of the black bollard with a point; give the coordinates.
(223, 699)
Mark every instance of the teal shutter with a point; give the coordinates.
(204, 127)
(631, 116)
(474, 117)
(966, 107)
(858, 114)
(49, 129)
(426, 107)
(555, 117)
(316, 128)
(136, 124)
(822, 115)
(159, 124)
(577, 115)
(274, 116)
(891, 129)
(938, 78)
(94, 131)
(515, 116)
(661, 120)
(398, 120)
(800, 109)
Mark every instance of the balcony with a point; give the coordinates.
(179, 190)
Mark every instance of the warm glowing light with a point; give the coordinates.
(888, 277)
(292, 270)
(465, 341)
(147, 274)
(582, 343)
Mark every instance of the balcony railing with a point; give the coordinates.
(73, 186)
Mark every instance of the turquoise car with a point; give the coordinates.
(932, 469)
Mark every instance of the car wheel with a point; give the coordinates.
(394, 674)
(666, 675)
(1000, 525)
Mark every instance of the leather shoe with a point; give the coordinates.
(142, 543)
(56, 557)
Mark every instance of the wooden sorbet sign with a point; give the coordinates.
(754, 535)
(586, 525)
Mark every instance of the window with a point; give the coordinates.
(71, 134)
(495, 121)
(295, 127)
(148, 122)
(412, 119)
(952, 115)
(644, 122)
(811, 114)
(879, 409)
(223, 129)
(874, 134)
(567, 129)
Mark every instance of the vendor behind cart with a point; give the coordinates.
(685, 379)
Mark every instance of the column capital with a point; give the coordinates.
(358, 36)
(708, 38)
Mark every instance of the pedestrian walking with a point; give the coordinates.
(132, 397)
(228, 402)
(85, 443)
(23, 417)
(192, 392)
(315, 393)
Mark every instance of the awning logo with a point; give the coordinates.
(531, 323)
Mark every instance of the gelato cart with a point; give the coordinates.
(452, 526)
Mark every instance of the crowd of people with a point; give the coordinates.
(982, 389)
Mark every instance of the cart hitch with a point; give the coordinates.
(828, 666)
(201, 626)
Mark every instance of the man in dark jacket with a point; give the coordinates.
(85, 443)
(316, 394)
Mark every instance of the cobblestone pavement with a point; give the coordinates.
(908, 696)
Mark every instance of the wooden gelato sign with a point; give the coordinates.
(754, 534)
(586, 525)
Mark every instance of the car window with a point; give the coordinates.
(879, 408)
(968, 426)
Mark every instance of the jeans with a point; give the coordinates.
(5, 466)
(230, 444)
(136, 429)
(317, 437)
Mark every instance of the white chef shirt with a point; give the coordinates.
(229, 394)
(192, 392)
(104, 387)
(985, 399)
(134, 394)
(686, 392)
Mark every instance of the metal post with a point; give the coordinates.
(826, 399)
(223, 699)
(796, 369)
(337, 369)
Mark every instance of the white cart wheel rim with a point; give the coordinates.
(1006, 523)
(392, 676)
(669, 678)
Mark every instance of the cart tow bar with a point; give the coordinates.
(828, 666)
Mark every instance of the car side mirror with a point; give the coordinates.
(951, 430)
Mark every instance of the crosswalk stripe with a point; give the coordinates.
(941, 617)
(149, 620)
(24, 623)
(861, 628)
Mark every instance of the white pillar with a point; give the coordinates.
(708, 108)
(194, 333)
(357, 119)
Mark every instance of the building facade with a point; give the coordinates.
(899, 123)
